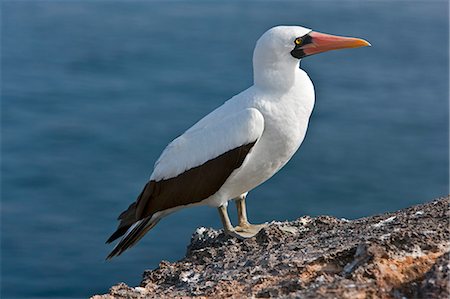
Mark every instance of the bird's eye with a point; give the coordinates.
(298, 41)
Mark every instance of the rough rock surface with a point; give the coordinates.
(395, 255)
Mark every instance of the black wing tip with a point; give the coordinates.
(109, 257)
(112, 254)
(111, 239)
(117, 234)
(118, 250)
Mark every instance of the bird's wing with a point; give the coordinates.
(192, 168)
(195, 165)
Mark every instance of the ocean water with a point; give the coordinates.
(93, 91)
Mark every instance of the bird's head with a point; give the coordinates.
(281, 47)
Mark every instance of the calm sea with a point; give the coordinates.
(93, 91)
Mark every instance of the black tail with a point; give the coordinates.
(132, 226)
(127, 219)
(133, 236)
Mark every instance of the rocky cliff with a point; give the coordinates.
(404, 254)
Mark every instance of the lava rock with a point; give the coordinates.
(395, 255)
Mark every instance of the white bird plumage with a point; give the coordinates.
(247, 139)
(281, 101)
(201, 143)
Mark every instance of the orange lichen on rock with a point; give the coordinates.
(394, 255)
(392, 273)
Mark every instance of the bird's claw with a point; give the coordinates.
(246, 230)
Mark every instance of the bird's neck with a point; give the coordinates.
(275, 75)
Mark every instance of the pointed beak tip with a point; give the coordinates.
(359, 42)
(322, 42)
(367, 44)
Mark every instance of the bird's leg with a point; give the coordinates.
(242, 211)
(228, 227)
(244, 225)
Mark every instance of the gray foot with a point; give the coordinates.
(246, 231)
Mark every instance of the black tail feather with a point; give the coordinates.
(118, 233)
(127, 219)
(133, 236)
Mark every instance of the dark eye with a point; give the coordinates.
(298, 41)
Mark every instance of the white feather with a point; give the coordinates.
(275, 110)
(203, 143)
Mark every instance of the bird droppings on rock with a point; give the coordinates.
(383, 222)
(396, 255)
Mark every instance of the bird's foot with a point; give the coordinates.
(246, 230)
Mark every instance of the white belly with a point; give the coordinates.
(285, 126)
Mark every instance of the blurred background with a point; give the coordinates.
(92, 92)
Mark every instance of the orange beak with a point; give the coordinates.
(321, 42)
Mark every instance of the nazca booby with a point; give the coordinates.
(240, 144)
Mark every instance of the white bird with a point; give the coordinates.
(239, 145)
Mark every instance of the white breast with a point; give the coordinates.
(286, 117)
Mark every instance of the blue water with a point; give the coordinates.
(93, 91)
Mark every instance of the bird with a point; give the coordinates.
(239, 145)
